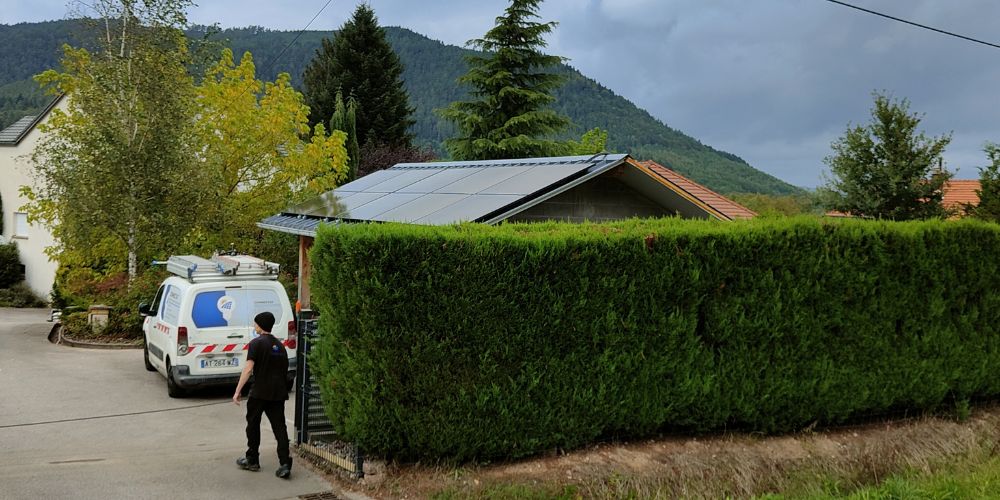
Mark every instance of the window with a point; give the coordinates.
(171, 305)
(20, 225)
(233, 308)
(154, 308)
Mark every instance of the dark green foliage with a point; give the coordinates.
(887, 169)
(345, 119)
(989, 188)
(361, 63)
(476, 342)
(375, 157)
(509, 115)
(779, 205)
(20, 295)
(11, 271)
(429, 74)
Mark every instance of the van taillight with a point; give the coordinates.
(182, 340)
(290, 343)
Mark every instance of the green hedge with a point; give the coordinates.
(498, 342)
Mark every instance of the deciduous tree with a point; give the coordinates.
(249, 136)
(887, 169)
(118, 163)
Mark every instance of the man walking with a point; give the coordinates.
(267, 360)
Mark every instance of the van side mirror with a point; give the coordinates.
(144, 309)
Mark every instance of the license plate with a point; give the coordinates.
(220, 363)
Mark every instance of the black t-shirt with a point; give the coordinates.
(270, 368)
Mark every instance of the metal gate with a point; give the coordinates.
(313, 431)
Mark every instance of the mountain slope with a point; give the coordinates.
(431, 68)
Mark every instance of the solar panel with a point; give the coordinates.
(367, 181)
(535, 179)
(424, 205)
(336, 205)
(371, 211)
(450, 192)
(483, 179)
(402, 179)
(468, 209)
(327, 199)
(439, 180)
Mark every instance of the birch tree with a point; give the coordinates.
(118, 163)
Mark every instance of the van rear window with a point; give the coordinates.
(233, 308)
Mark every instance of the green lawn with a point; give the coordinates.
(966, 480)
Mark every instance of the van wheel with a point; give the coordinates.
(173, 390)
(145, 355)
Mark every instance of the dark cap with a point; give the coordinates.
(265, 321)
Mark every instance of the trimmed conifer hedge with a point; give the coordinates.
(498, 342)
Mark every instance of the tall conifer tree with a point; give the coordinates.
(345, 120)
(360, 62)
(509, 116)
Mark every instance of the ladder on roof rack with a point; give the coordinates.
(220, 268)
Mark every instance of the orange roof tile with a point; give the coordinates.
(959, 192)
(716, 201)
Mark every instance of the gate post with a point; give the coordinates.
(302, 375)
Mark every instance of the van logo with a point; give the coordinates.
(226, 304)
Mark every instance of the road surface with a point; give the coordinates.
(60, 438)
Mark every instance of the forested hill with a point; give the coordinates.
(431, 69)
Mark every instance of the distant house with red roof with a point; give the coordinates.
(958, 193)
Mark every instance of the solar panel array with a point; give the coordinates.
(13, 133)
(445, 193)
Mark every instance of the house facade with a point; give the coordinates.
(17, 142)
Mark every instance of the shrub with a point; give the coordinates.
(81, 288)
(497, 342)
(11, 271)
(19, 295)
(75, 325)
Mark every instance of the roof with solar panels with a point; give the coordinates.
(490, 192)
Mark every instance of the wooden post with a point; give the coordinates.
(305, 270)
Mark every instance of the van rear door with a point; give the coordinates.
(223, 324)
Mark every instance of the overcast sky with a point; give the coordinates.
(773, 81)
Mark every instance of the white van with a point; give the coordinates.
(200, 323)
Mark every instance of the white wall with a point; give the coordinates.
(15, 171)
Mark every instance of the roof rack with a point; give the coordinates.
(220, 268)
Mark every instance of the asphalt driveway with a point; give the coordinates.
(81, 423)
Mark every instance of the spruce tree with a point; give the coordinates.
(509, 114)
(360, 62)
(887, 169)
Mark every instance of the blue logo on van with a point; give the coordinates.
(207, 311)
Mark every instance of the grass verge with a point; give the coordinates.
(931, 457)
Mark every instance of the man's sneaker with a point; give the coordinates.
(245, 464)
(284, 472)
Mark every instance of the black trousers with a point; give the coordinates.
(275, 411)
